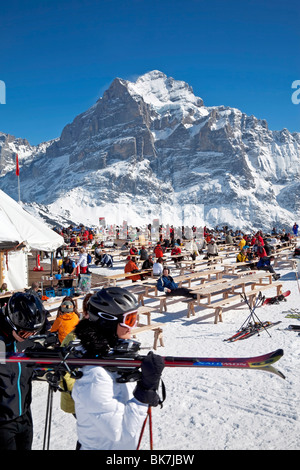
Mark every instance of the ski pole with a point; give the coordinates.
(150, 427)
(259, 299)
(48, 418)
(149, 415)
(142, 431)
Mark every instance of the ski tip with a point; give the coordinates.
(278, 352)
(276, 355)
(273, 370)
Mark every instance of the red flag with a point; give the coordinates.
(17, 165)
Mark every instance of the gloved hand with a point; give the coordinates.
(146, 389)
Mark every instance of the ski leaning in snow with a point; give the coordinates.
(263, 362)
(293, 327)
(251, 330)
(277, 298)
(293, 314)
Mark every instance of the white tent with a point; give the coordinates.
(19, 227)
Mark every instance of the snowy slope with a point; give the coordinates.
(212, 409)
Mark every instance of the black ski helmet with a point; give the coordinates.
(109, 304)
(25, 311)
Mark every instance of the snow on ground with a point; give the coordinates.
(211, 409)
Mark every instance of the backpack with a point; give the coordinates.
(89, 258)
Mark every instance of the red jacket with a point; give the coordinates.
(129, 267)
(261, 252)
(158, 251)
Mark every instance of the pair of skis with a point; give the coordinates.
(264, 362)
(252, 325)
(250, 330)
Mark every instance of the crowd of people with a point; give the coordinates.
(255, 249)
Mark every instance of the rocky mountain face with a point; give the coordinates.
(151, 148)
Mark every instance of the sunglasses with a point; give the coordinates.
(129, 319)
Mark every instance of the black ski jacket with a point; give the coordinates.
(15, 382)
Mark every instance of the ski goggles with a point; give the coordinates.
(25, 334)
(67, 307)
(129, 319)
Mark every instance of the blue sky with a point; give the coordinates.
(58, 57)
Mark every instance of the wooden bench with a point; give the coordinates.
(145, 310)
(139, 291)
(284, 258)
(156, 328)
(163, 300)
(251, 295)
(217, 306)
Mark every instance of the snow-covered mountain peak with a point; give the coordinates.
(163, 92)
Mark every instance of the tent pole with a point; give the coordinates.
(51, 271)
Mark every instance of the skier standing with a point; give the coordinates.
(110, 413)
(22, 317)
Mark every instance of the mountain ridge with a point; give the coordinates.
(152, 147)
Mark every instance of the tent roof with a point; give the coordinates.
(18, 225)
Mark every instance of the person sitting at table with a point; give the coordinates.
(106, 260)
(242, 256)
(167, 285)
(34, 289)
(67, 267)
(251, 258)
(148, 264)
(3, 288)
(98, 254)
(157, 267)
(133, 251)
(143, 253)
(212, 249)
(265, 264)
(176, 251)
(131, 267)
(260, 250)
(158, 250)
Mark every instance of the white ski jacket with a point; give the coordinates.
(108, 416)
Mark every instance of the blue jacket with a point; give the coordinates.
(166, 282)
(263, 262)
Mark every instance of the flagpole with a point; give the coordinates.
(18, 175)
(19, 189)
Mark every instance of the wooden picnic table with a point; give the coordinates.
(239, 264)
(225, 286)
(114, 278)
(151, 284)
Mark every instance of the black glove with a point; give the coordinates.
(146, 389)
